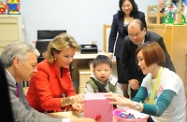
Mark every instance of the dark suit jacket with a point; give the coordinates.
(5, 105)
(22, 112)
(119, 31)
(129, 61)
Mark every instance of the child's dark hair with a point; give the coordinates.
(100, 59)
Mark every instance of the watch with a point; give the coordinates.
(137, 106)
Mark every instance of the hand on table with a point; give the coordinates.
(77, 98)
(77, 102)
(78, 107)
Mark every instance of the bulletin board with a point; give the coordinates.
(106, 32)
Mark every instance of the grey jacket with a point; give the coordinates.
(21, 110)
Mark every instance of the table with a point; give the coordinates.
(68, 114)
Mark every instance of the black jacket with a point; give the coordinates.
(129, 61)
(119, 31)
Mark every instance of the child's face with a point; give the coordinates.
(102, 72)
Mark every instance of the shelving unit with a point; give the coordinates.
(155, 16)
(11, 30)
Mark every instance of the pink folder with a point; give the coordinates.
(97, 107)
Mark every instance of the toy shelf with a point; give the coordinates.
(154, 15)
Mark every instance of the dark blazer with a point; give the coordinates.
(129, 61)
(5, 105)
(22, 112)
(119, 31)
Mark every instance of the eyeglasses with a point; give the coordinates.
(135, 35)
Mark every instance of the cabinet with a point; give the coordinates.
(11, 30)
(84, 76)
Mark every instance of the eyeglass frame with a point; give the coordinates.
(135, 35)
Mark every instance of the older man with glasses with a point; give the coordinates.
(137, 35)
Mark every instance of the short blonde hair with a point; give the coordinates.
(58, 44)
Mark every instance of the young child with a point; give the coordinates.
(102, 79)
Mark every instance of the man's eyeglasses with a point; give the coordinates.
(135, 35)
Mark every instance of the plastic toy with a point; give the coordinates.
(174, 12)
(13, 6)
(2, 7)
(129, 115)
(169, 18)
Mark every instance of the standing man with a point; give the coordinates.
(20, 61)
(137, 35)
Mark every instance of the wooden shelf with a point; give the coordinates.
(155, 16)
(11, 30)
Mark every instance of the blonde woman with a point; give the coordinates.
(51, 87)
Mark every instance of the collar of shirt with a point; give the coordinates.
(11, 77)
(141, 43)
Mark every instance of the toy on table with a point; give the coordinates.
(97, 107)
(13, 6)
(129, 115)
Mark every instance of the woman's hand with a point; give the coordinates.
(78, 107)
(72, 100)
(117, 99)
(77, 98)
(110, 55)
(77, 102)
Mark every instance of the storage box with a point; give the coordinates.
(97, 107)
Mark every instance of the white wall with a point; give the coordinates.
(83, 19)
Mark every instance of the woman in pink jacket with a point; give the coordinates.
(51, 88)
